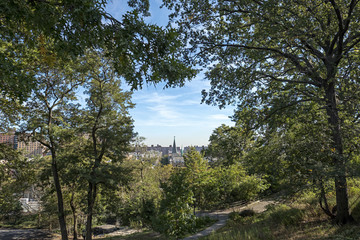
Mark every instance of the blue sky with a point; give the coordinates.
(160, 114)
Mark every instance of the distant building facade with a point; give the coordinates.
(29, 200)
(165, 151)
(29, 148)
(173, 152)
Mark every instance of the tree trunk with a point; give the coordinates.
(61, 213)
(91, 203)
(342, 202)
(322, 198)
(73, 209)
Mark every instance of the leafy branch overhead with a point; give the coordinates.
(33, 31)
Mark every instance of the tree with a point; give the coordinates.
(37, 31)
(107, 125)
(28, 27)
(48, 112)
(272, 56)
(66, 29)
(228, 144)
(140, 199)
(295, 155)
(175, 215)
(73, 161)
(196, 175)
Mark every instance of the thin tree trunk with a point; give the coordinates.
(73, 209)
(342, 201)
(322, 198)
(61, 213)
(91, 201)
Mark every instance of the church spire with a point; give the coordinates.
(174, 147)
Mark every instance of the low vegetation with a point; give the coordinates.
(300, 219)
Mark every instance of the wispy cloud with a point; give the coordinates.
(219, 117)
(155, 97)
(165, 112)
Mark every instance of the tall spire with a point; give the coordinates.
(174, 147)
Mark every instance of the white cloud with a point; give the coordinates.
(219, 117)
(164, 111)
(158, 98)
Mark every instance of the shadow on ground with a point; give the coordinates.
(24, 234)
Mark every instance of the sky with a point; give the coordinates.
(160, 114)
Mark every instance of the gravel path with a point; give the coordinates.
(222, 217)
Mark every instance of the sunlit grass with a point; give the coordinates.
(284, 222)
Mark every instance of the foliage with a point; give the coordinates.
(296, 155)
(140, 199)
(34, 32)
(236, 216)
(176, 216)
(51, 30)
(228, 145)
(199, 186)
(196, 170)
(16, 175)
(271, 57)
(231, 183)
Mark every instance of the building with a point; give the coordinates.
(8, 138)
(30, 148)
(175, 157)
(200, 149)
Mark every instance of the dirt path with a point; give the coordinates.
(222, 217)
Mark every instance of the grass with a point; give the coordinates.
(285, 222)
(21, 222)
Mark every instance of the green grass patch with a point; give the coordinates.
(22, 221)
(284, 222)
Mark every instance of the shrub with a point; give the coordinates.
(242, 216)
(247, 213)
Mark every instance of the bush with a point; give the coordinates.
(203, 222)
(239, 216)
(175, 223)
(247, 213)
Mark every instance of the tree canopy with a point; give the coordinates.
(35, 31)
(273, 56)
